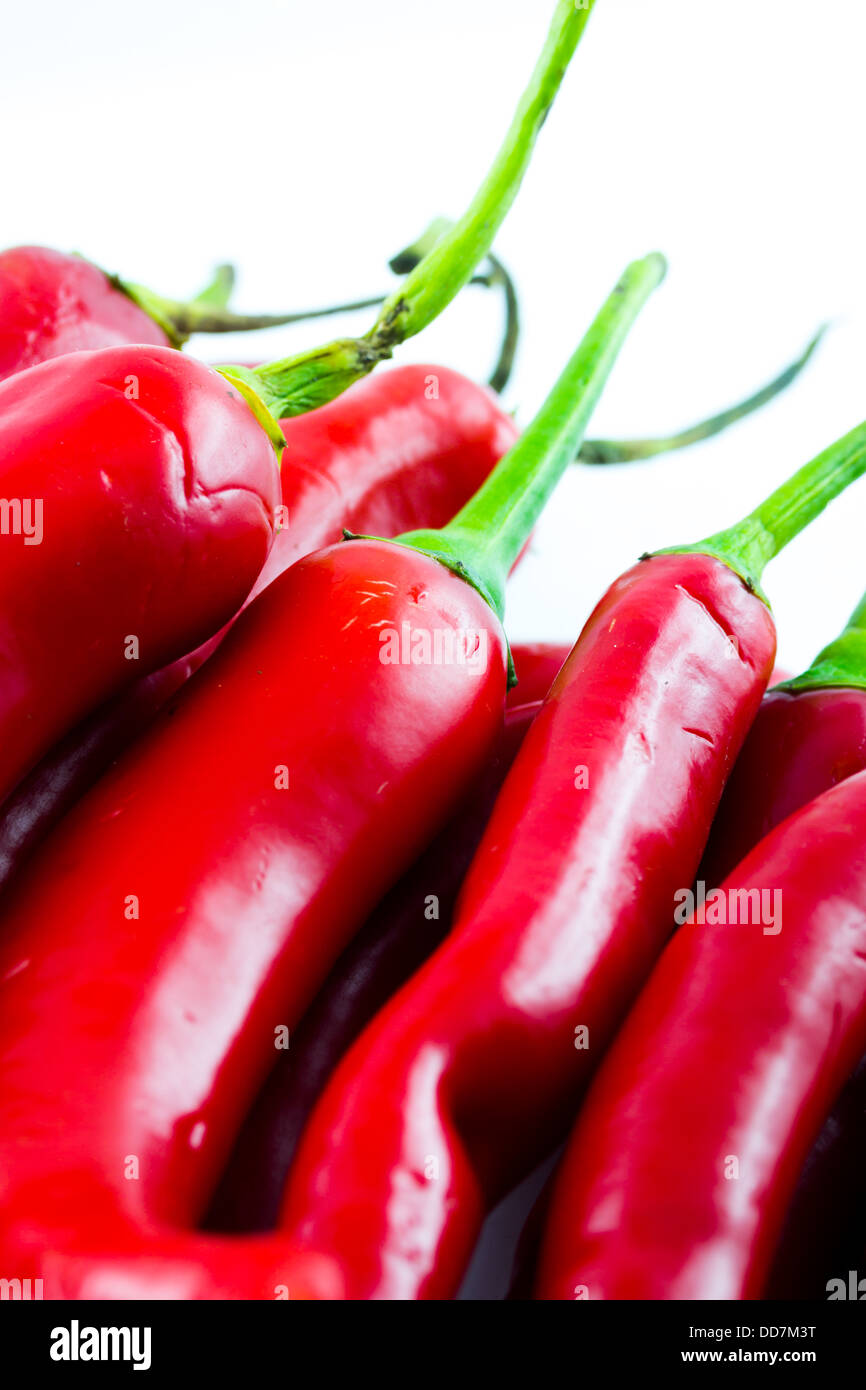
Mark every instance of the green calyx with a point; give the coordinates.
(450, 548)
(748, 546)
(446, 550)
(719, 549)
(841, 663)
(244, 381)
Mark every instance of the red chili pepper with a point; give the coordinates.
(52, 304)
(808, 735)
(399, 450)
(133, 478)
(174, 937)
(130, 446)
(404, 930)
(678, 1175)
(394, 943)
(474, 1068)
(824, 1223)
(169, 976)
(407, 447)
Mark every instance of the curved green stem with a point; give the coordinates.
(842, 662)
(748, 546)
(501, 374)
(604, 451)
(497, 277)
(454, 256)
(301, 383)
(179, 319)
(487, 535)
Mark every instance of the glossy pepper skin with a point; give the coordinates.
(155, 492)
(395, 940)
(246, 890)
(392, 944)
(404, 448)
(473, 1071)
(805, 739)
(802, 743)
(52, 304)
(344, 734)
(735, 1051)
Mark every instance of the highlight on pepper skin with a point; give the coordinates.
(413, 887)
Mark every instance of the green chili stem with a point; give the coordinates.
(487, 535)
(748, 546)
(604, 451)
(842, 662)
(311, 379)
(501, 374)
(601, 452)
(179, 319)
(497, 276)
(434, 283)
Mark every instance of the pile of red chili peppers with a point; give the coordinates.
(327, 915)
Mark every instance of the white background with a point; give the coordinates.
(308, 141)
